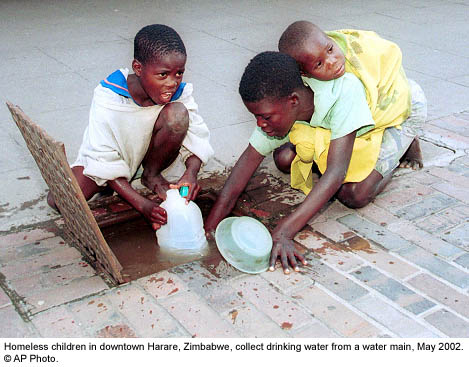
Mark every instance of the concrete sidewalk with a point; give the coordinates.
(399, 267)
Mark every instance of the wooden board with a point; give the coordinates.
(80, 224)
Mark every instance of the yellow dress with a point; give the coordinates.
(378, 64)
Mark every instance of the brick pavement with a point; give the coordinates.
(398, 267)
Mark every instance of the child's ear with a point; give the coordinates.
(137, 67)
(293, 99)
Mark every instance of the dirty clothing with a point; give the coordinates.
(119, 130)
(380, 148)
(397, 140)
(384, 90)
(377, 62)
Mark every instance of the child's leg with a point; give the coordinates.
(283, 157)
(399, 147)
(394, 146)
(87, 185)
(168, 133)
(359, 194)
(412, 128)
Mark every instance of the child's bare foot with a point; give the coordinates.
(158, 184)
(413, 157)
(106, 191)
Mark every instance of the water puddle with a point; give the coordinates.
(135, 245)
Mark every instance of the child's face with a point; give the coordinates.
(274, 116)
(321, 58)
(161, 79)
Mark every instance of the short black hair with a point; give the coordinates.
(296, 35)
(156, 40)
(270, 74)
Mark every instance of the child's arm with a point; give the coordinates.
(340, 152)
(234, 186)
(189, 178)
(155, 214)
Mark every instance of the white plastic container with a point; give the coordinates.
(184, 229)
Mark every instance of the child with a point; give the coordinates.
(378, 64)
(147, 118)
(273, 90)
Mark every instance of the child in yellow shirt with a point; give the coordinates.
(397, 105)
(355, 121)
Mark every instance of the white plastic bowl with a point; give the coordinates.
(245, 243)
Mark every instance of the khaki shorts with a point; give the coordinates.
(396, 141)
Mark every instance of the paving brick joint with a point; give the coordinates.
(397, 268)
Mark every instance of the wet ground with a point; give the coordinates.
(136, 247)
(135, 244)
(408, 274)
(372, 272)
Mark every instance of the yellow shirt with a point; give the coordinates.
(378, 64)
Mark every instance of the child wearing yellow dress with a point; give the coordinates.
(391, 97)
(329, 123)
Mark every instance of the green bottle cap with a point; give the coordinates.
(184, 191)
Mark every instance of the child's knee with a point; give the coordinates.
(175, 117)
(353, 197)
(87, 185)
(283, 157)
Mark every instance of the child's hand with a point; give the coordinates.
(210, 235)
(155, 214)
(211, 224)
(285, 248)
(193, 188)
